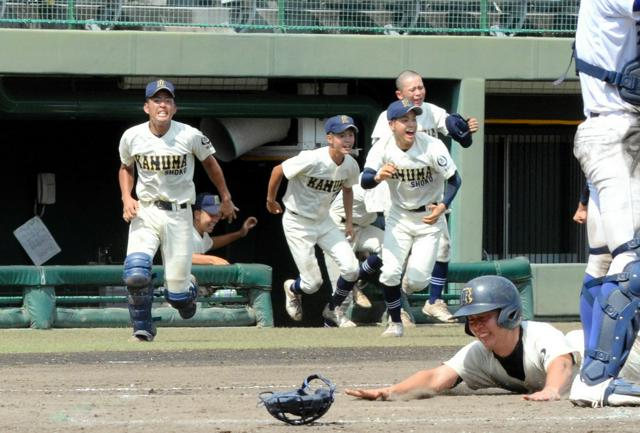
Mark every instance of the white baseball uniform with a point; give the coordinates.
(366, 237)
(201, 242)
(606, 144)
(314, 180)
(541, 343)
(418, 181)
(165, 167)
(432, 121)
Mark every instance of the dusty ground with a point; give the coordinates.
(216, 391)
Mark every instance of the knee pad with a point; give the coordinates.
(140, 304)
(618, 327)
(137, 270)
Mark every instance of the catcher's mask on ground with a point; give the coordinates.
(300, 406)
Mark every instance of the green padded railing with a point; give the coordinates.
(391, 17)
(37, 292)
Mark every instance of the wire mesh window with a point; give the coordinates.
(391, 17)
(531, 190)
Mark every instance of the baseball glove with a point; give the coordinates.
(459, 129)
(300, 406)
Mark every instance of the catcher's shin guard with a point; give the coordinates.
(300, 406)
(184, 302)
(615, 323)
(137, 270)
(140, 304)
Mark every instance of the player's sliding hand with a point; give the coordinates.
(543, 395)
(129, 209)
(385, 172)
(228, 210)
(274, 207)
(368, 394)
(436, 211)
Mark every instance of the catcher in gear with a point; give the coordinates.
(300, 406)
(527, 357)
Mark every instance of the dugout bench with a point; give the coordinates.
(43, 297)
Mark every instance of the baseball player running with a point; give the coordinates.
(416, 166)
(527, 357)
(315, 177)
(608, 148)
(433, 120)
(366, 240)
(162, 151)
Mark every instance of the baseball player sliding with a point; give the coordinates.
(524, 357)
(433, 120)
(315, 177)
(162, 151)
(415, 166)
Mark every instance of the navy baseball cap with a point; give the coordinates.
(157, 85)
(207, 202)
(401, 107)
(338, 124)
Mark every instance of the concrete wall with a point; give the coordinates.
(279, 55)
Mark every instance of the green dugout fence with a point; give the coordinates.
(93, 296)
(75, 296)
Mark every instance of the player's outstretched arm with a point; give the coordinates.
(224, 240)
(430, 381)
(272, 190)
(559, 375)
(126, 180)
(216, 176)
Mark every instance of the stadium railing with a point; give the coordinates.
(500, 18)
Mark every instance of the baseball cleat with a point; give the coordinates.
(343, 320)
(188, 311)
(141, 336)
(330, 317)
(407, 320)
(584, 395)
(358, 295)
(394, 330)
(293, 303)
(438, 311)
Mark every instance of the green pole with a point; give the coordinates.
(483, 16)
(281, 14)
(71, 12)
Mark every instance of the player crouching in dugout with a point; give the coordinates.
(527, 357)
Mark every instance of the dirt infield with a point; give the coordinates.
(216, 391)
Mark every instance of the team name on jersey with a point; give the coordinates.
(325, 185)
(169, 164)
(416, 176)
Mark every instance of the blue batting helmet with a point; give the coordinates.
(488, 293)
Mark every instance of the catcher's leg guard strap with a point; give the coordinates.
(184, 302)
(614, 326)
(622, 393)
(137, 270)
(140, 304)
